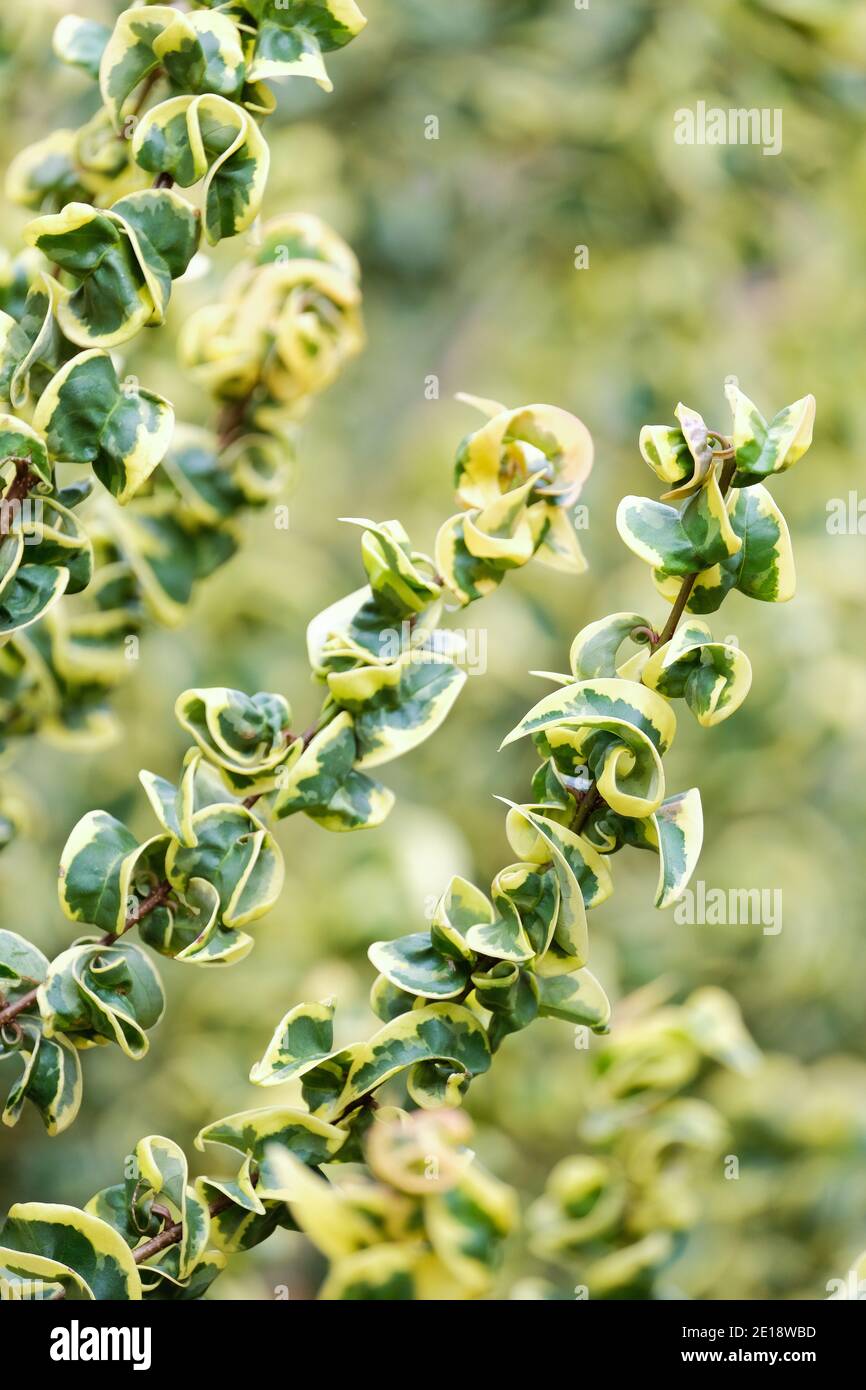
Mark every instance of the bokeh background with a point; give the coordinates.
(555, 130)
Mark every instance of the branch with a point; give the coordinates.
(145, 907)
(592, 796)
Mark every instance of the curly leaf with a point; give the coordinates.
(242, 735)
(260, 1133)
(236, 855)
(51, 1080)
(446, 1032)
(87, 416)
(714, 677)
(414, 965)
(124, 259)
(69, 1247)
(209, 138)
(97, 994)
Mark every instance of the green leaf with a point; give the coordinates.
(97, 868)
(446, 1032)
(576, 998)
(87, 416)
(292, 37)
(679, 541)
(97, 994)
(302, 1039)
(397, 706)
(22, 966)
(245, 736)
(235, 854)
(594, 651)
(713, 677)
(202, 53)
(208, 138)
(763, 568)
(413, 964)
(71, 1248)
(19, 440)
(51, 1080)
(627, 764)
(259, 1133)
(762, 449)
(80, 43)
(124, 259)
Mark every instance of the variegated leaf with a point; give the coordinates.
(71, 1248)
(97, 994)
(292, 37)
(714, 678)
(212, 139)
(87, 416)
(762, 449)
(302, 1039)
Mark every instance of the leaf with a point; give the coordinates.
(396, 707)
(467, 1226)
(679, 830)
(291, 38)
(447, 1032)
(19, 440)
(129, 57)
(315, 777)
(244, 736)
(69, 1247)
(202, 53)
(80, 42)
(124, 259)
(162, 1166)
(460, 907)
(97, 867)
(510, 994)
(762, 569)
(627, 765)
(208, 138)
(86, 416)
(236, 855)
(262, 1133)
(761, 449)
(576, 998)
(97, 994)
(595, 649)
(414, 965)
(667, 453)
(51, 1080)
(22, 966)
(303, 1038)
(714, 677)
(679, 541)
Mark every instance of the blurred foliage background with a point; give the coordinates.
(555, 130)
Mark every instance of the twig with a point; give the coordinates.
(21, 485)
(592, 796)
(145, 907)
